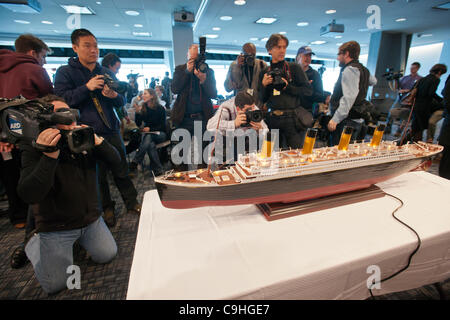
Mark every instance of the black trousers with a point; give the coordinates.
(10, 174)
(288, 133)
(120, 175)
(444, 165)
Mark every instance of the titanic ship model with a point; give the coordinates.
(294, 175)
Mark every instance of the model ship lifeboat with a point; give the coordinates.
(291, 175)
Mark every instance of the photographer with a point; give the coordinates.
(194, 90)
(236, 113)
(284, 85)
(64, 187)
(402, 105)
(444, 138)
(245, 72)
(82, 85)
(349, 92)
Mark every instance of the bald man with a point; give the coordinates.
(244, 73)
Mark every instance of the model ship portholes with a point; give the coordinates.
(294, 175)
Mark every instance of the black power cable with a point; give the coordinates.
(419, 242)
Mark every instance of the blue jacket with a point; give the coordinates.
(70, 83)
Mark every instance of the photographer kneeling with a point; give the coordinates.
(63, 185)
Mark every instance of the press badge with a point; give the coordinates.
(276, 92)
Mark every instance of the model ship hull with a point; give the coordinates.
(286, 189)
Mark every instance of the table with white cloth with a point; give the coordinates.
(233, 252)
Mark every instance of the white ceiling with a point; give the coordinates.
(156, 17)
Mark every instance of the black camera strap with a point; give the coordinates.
(43, 148)
(100, 111)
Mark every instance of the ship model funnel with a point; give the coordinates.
(310, 140)
(267, 147)
(345, 138)
(377, 135)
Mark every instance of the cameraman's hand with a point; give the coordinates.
(256, 125)
(327, 100)
(240, 60)
(331, 125)
(200, 75)
(107, 92)
(190, 65)
(49, 137)
(267, 80)
(6, 147)
(241, 118)
(96, 82)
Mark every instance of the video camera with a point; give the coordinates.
(391, 75)
(277, 76)
(22, 120)
(118, 86)
(200, 63)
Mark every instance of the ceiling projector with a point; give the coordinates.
(329, 29)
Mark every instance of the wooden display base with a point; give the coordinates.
(279, 210)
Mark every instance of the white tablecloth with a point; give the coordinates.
(235, 253)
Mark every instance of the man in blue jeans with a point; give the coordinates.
(62, 188)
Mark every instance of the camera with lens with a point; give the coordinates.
(200, 63)
(118, 86)
(253, 116)
(391, 75)
(22, 120)
(249, 59)
(277, 75)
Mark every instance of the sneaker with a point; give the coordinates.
(109, 217)
(136, 209)
(19, 257)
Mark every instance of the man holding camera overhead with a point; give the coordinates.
(245, 72)
(195, 86)
(81, 83)
(284, 84)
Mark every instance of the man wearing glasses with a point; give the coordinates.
(350, 90)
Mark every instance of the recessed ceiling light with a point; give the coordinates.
(138, 25)
(46, 22)
(303, 24)
(266, 20)
(330, 11)
(117, 25)
(132, 13)
(226, 18)
(22, 21)
(142, 34)
(216, 29)
(211, 36)
(363, 30)
(318, 42)
(338, 37)
(400, 19)
(74, 9)
(264, 39)
(254, 39)
(339, 44)
(98, 2)
(282, 32)
(293, 41)
(239, 2)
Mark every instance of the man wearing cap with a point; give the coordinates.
(304, 60)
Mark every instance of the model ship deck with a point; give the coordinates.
(253, 167)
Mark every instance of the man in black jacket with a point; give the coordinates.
(62, 186)
(304, 60)
(194, 90)
(284, 85)
(81, 84)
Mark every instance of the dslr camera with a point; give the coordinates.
(391, 75)
(118, 86)
(277, 76)
(249, 59)
(253, 116)
(200, 63)
(22, 120)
